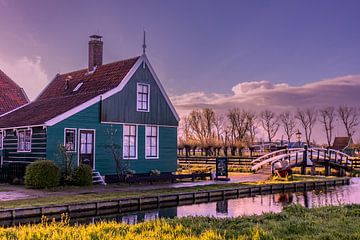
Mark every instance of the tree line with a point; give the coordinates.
(211, 132)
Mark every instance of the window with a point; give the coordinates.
(151, 142)
(70, 140)
(86, 142)
(129, 142)
(24, 141)
(143, 97)
(1, 139)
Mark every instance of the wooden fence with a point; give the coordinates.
(235, 161)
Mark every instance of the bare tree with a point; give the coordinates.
(288, 123)
(201, 123)
(350, 118)
(238, 128)
(114, 147)
(307, 118)
(251, 119)
(327, 119)
(238, 123)
(270, 123)
(219, 125)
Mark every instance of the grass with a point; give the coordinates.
(76, 197)
(295, 222)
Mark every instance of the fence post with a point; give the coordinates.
(304, 162)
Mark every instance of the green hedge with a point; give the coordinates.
(42, 174)
(82, 176)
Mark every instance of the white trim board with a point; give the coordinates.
(162, 89)
(113, 91)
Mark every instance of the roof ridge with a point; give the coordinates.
(86, 69)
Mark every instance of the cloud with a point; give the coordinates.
(258, 95)
(27, 73)
(256, 87)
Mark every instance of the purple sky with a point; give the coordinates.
(207, 53)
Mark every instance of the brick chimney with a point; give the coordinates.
(95, 51)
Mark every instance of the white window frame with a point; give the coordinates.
(148, 98)
(157, 142)
(2, 139)
(136, 141)
(75, 140)
(18, 140)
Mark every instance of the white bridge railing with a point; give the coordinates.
(296, 155)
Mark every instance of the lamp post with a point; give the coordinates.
(298, 136)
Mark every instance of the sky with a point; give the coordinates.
(248, 53)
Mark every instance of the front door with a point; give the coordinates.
(87, 147)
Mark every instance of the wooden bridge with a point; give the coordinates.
(305, 157)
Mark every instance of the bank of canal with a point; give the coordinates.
(161, 203)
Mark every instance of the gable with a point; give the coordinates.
(122, 106)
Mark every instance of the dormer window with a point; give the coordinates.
(143, 97)
(78, 87)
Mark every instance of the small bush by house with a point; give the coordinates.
(82, 176)
(42, 174)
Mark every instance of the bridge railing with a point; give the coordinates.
(291, 154)
(275, 153)
(294, 155)
(330, 155)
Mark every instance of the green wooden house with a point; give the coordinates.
(120, 105)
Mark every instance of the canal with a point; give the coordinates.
(221, 207)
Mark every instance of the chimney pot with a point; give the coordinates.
(95, 51)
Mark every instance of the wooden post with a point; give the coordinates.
(327, 169)
(318, 155)
(304, 161)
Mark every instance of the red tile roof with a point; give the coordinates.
(58, 97)
(11, 95)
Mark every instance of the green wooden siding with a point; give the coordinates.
(38, 146)
(121, 107)
(89, 119)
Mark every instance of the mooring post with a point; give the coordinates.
(327, 169)
(304, 162)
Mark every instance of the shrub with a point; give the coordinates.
(82, 175)
(42, 174)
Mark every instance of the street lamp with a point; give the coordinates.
(298, 136)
